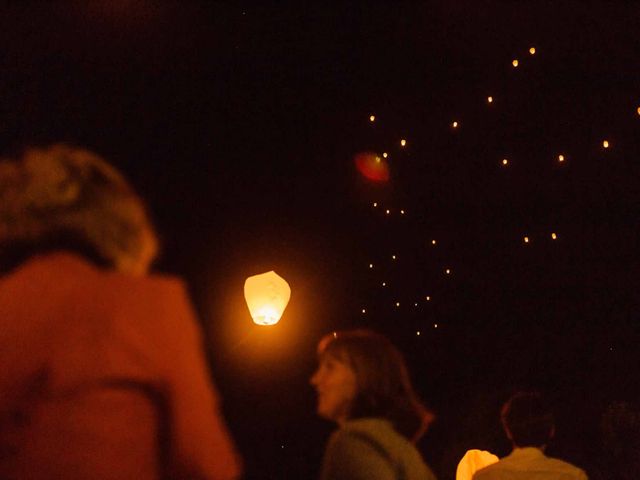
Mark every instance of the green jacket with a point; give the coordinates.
(370, 449)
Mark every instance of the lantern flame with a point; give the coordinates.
(267, 296)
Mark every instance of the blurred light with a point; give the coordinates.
(372, 118)
(515, 62)
(447, 271)
(403, 142)
(371, 265)
(418, 333)
(435, 325)
(605, 143)
(554, 236)
(532, 51)
(561, 158)
(384, 284)
(505, 161)
(526, 239)
(433, 242)
(378, 159)
(335, 334)
(454, 124)
(375, 204)
(393, 257)
(490, 99)
(371, 167)
(385, 155)
(364, 310)
(638, 110)
(401, 212)
(415, 304)
(428, 298)
(397, 304)
(388, 212)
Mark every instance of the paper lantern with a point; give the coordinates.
(267, 296)
(473, 461)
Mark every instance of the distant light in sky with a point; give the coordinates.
(364, 310)
(638, 110)
(401, 212)
(435, 325)
(335, 334)
(428, 298)
(403, 142)
(397, 304)
(605, 143)
(454, 124)
(371, 265)
(433, 242)
(490, 99)
(532, 51)
(372, 118)
(393, 257)
(418, 333)
(505, 162)
(388, 211)
(448, 271)
(554, 236)
(526, 239)
(515, 62)
(384, 284)
(385, 155)
(415, 304)
(378, 159)
(561, 158)
(375, 204)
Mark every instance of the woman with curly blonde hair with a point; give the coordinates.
(103, 372)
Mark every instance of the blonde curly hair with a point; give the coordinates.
(61, 193)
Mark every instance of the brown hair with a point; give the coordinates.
(62, 197)
(383, 385)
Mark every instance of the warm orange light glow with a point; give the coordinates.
(428, 298)
(605, 143)
(372, 118)
(526, 239)
(448, 271)
(505, 161)
(554, 236)
(403, 142)
(267, 296)
(393, 257)
(418, 333)
(401, 212)
(515, 63)
(435, 325)
(638, 110)
(384, 284)
(433, 242)
(371, 265)
(385, 155)
(364, 310)
(375, 204)
(371, 167)
(454, 124)
(397, 304)
(561, 158)
(378, 159)
(532, 51)
(388, 211)
(490, 99)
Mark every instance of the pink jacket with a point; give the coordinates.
(103, 376)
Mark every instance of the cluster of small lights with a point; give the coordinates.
(553, 235)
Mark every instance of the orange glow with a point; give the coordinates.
(385, 155)
(384, 284)
(375, 204)
(397, 304)
(554, 236)
(372, 167)
(638, 110)
(526, 239)
(447, 271)
(505, 162)
(435, 325)
(364, 310)
(393, 257)
(490, 99)
(428, 298)
(454, 124)
(401, 212)
(433, 242)
(515, 62)
(605, 143)
(561, 158)
(532, 51)
(371, 265)
(388, 212)
(372, 118)
(418, 333)
(403, 142)
(267, 296)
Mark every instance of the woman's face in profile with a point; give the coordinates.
(336, 386)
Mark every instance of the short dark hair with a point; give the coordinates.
(383, 385)
(528, 418)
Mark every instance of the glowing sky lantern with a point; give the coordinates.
(267, 296)
(372, 167)
(473, 461)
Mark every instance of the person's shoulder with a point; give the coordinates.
(566, 467)
(489, 471)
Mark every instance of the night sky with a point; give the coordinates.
(240, 126)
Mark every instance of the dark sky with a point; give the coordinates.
(239, 125)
